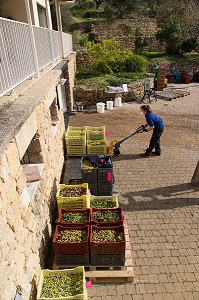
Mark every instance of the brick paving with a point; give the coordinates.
(160, 205)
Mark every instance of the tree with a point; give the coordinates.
(98, 3)
(178, 22)
(120, 8)
(172, 36)
(140, 41)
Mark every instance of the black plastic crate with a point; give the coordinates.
(75, 181)
(73, 259)
(93, 189)
(104, 189)
(105, 174)
(88, 175)
(107, 260)
(105, 192)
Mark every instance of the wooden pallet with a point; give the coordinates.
(106, 273)
(167, 95)
(181, 93)
(172, 94)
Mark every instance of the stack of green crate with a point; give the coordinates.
(76, 140)
(96, 142)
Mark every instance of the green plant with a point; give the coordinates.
(135, 63)
(189, 45)
(126, 27)
(171, 34)
(140, 41)
(107, 57)
(93, 14)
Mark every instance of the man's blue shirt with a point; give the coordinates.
(153, 120)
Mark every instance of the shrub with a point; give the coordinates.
(140, 41)
(117, 81)
(189, 45)
(93, 14)
(135, 63)
(107, 57)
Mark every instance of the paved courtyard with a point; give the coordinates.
(160, 205)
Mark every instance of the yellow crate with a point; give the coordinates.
(96, 149)
(113, 200)
(79, 138)
(73, 128)
(73, 202)
(65, 272)
(76, 136)
(76, 150)
(95, 133)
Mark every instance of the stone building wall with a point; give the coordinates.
(32, 128)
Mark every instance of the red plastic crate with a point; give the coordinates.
(73, 247)
(107, 247)
(186, 79)
(63, 211)
(118, 223)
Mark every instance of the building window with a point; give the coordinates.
(42, 16)
(54, 116)
(33, 165)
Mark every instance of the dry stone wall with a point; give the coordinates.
(89, 97)
(27, 210)
(124, 32)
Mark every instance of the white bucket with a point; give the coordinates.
(100, 107)
(118, 101)
(109, 105)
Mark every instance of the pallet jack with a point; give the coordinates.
(115, 144)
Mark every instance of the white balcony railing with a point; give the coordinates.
(16, 53)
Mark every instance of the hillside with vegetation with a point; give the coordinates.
(107, 61)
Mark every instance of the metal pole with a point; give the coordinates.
(49, 29)
(32, 38)
(59, 25)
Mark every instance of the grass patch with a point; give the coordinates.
(161, 57)
(108, 80)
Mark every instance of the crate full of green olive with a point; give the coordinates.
(73, 196)
(67, 284)
(74, 217)
(104, 201)
(96, 146)
(71, 239)
(106, 216)
(107, 240)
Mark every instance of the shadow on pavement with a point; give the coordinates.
(128, 156)
(161, 198)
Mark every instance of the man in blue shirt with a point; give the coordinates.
(156, 124)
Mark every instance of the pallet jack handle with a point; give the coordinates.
(117, 144)
(138, 130)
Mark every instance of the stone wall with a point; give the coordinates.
(32, 128)
(124, 32)
(184, 66)
(89, 97)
